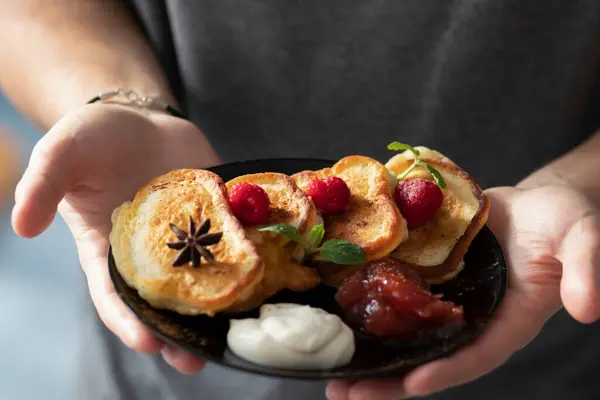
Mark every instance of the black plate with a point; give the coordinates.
(479, 288)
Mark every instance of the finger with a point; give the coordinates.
(113, 312)
(377, 390)
(580, 256)
(338, 390)
(513, 327)
(43, 185)
(181, 360)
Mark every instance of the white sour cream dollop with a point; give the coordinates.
(292, 336)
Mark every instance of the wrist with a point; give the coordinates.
(547, 176)
(552, 183)
(99, 108)
(132, 98)
(575, 170)
(48, 111)
(552, 176)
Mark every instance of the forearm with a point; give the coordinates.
(578, 168)
(57, 54)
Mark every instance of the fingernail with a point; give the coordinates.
(337, 390)
(379, 393)
(167, 357)
(133, 334)
(19, 192)
(166, 352)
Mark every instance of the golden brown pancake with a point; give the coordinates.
(372, 221)
(289, 205)
(437, 248)
(141, 232)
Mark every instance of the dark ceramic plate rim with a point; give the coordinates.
(459, 341)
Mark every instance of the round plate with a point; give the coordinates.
(479, 288)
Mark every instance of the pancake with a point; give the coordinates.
(372, 221)
(288, 205)
(141, 231)
(436, 249)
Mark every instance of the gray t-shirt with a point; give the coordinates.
(501, 87)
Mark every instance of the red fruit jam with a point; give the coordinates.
(249, 203)
(418, 200)
(391, 301)
(331, 195)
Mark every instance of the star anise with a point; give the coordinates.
(192, 244)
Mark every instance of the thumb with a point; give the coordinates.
(580, 256)
(43, 185)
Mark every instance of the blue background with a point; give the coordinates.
(41, 290)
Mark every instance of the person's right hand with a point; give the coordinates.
(90, 162)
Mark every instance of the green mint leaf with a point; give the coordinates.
(397, 146)
(315, 236)
(435, 173)
(342, 252)
(289, 231)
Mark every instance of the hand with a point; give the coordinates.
(551, 239)
(89, 163)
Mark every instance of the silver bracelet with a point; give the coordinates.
(131, 97)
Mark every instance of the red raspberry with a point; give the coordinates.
(331, 195)
(249, 203)
(418, 200)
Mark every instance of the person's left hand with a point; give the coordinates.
(91, 161)
(551, 240)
